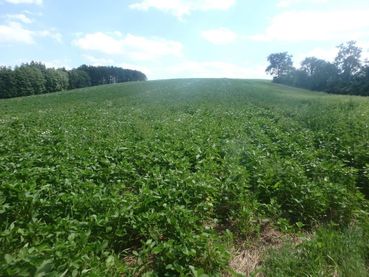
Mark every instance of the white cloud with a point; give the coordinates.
(317, 26)
(327, 54)
(141, 48)
(15, 32)
(96, 61)
(212, 69)
(180, 8)
(168, 68)
(365, 53)
(330, 53)
(58, 37)
(144, 69)
(288, 3)
(36, 2)
(103, 61)
(99, 42)
(58, 63)
(219, 36)
(19, 17)
(131, 46)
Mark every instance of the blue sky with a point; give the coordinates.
(178, 38)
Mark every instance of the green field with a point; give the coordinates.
(170, 178)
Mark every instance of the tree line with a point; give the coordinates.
(346, 75)
(35, 78)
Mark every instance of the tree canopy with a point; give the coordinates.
(35, 78)
(346, 75)
(280, 64)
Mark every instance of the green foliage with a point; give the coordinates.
(348, 60)
(29, 80)
(7, 82)
(101, 75)
(281, 66)
(56, 80)
(329, 253)
(319, 74)
(78, 79)
(347, 75)
(35, 78)
(155, 178)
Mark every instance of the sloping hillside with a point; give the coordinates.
(176, 177)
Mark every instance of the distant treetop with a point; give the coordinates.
(346, 75)
(35, 78)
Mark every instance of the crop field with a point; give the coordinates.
(174, 178)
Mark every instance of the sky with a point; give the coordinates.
(178, 38)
